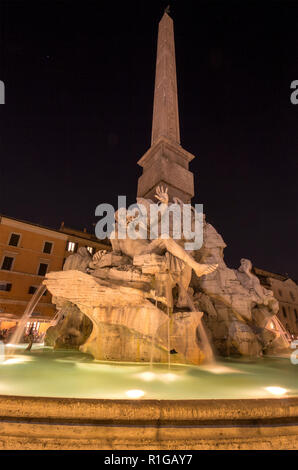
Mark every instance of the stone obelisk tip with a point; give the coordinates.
(167, 10)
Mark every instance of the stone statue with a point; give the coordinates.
(237, 307)
(79, 261)
(127, 294)
(180, 263)
(73, 327)
(250, 282)
(123, 303)
(160, 245)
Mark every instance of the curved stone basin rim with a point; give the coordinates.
(148, 411)
(84, 424)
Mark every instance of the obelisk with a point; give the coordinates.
(165, 110)
(166, 162)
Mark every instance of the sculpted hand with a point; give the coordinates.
(162, 195)
(203, 269)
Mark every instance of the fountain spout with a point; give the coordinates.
(18, 334)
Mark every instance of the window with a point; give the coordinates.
(5, 286)
(7, 263)
(32, 326)
(280, 292)
(72, 246)
(296, 314)
(47, 248)
(33, 289)
(90, 249)
(14, 239)
(284, 312)
(292, 296)
(42, 270)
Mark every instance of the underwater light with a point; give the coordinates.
(219, 369)
(278, 391)
(135, 393)
(16, 346)
(16, 360)
(150, 376)
(147, 376)
(169, 377)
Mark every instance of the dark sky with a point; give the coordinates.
(79, 82)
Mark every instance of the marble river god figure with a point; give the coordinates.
(179, 262)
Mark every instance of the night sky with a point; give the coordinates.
(79, 82)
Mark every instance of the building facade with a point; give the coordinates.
(285, 290)
(27, 253)
(81, 238)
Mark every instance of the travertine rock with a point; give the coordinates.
(102, 259)
(243, 340)
(126, 326)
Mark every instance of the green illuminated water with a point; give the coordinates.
(47, 373)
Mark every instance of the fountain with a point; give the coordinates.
(154, 346)
(147, 289)
(114, 290)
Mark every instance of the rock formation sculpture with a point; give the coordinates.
(146, 298)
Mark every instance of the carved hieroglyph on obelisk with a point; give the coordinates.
(166, 162)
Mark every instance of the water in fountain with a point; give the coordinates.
(2, 351)
(169, 297)
(152, 344)
(19, 332)
(57, 317)
(206, 346)
(169, 338)
(281, 330)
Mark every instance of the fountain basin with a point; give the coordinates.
(66, 400)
